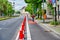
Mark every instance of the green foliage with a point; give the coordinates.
(29, 8)
(34, 5)
(50, 6)
(4, 18)
(5, 7)
(34, 1)
(18, 12)
(28, 1)
(54, 23)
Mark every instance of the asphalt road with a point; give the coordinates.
(8, 28)
(39, 33)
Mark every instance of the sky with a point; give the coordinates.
(18, 4)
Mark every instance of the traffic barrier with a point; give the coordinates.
(21, 32)
(23, 27)
(25, 19)
(21, 36)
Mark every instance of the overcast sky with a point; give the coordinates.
(18, 4)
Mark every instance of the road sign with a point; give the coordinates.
(53, 1)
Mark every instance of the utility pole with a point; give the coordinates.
(55, 13)
(58, 11)
(58, 8)
(43, 11)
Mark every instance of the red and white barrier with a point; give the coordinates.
(20, 35)
(22, 30)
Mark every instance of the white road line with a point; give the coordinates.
(47, 28)
(3, 28)
(0, 28)
(56, 33)
(28, 31)
(17, 38)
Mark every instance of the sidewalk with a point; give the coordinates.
(55, 29)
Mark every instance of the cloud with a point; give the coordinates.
(18, 4)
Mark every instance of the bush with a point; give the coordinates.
(54, 23)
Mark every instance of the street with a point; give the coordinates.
(8, 28)
(39, 33)
(29, 19)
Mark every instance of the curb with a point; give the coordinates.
(28, 30)
(51, 29)
(48, 28)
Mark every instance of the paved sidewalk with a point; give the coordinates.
(38, 33)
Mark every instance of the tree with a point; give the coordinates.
(1, 7)
(5, 8)
(51, 9)
(35, 4)
(9, 9)
(29, 8)
(17, 12)
(33, 1)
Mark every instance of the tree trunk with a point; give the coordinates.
(38, 15)
(0, 13)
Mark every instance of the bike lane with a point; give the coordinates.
(38, 33)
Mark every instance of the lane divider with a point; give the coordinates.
(20, 35)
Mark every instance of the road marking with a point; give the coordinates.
(3, 28)
(0, 28)
(53, 31)
(17, 38)
(28, 30)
